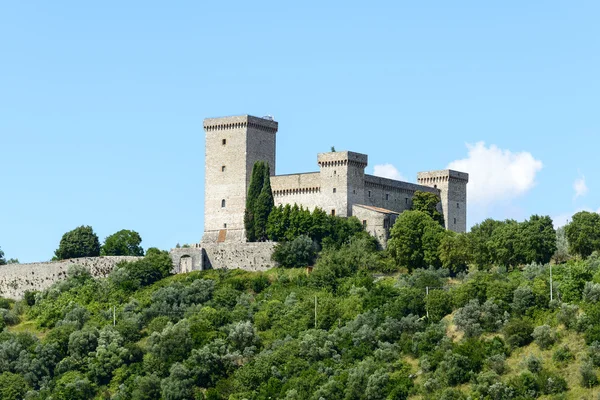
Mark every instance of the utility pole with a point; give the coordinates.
(426, 297)
(551, 282)
(315, 312)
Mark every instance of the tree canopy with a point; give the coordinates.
(80, 242)
(583, 233)
(2, 260)
(428, 203)
(122, 243)
(259, 203)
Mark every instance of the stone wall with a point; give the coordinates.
(247, 256)
(15, 279)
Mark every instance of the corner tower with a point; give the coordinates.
(453, 193)
(342, 181)
(233, 145)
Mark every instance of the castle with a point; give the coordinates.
(233, 145)
(340, 187)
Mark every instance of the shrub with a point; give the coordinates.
(523, 299)
(300, 252)
(533, 363)
(544, 336)
(588, 376)
(567, 315)
(563, 354)
(591, 292)
(12, 386)
(518, 332)
(496, 363)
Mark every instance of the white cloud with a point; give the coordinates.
(563, 219)
(497, 175)
(388, 171)
(580, 187)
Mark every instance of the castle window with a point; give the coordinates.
(333, 213)
(364, 223)
(387, 196)
(457, 205)
(369, 193)
(225, 225)
(224, 142)
(334, 172)
(435, 186)
(454, 221)
(353, 191)
(406, 200)
(223, 203)
(334, 190)
(223, 168)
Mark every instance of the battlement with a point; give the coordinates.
(240, 122)
(444, 175)
(339, 158)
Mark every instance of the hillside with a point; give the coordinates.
(230, 334)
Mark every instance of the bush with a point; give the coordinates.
(563, 354)
(533, 364)
(518, 332)
(588, 376)
(300, 252)
(544, 336)
(591, 292)
(80, 242)
(567, 315)
(12, 386)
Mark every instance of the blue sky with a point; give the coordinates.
(101, 105)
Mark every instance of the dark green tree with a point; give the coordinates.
(80, 242)
(12, 386)
(2, 260)
(455, 251)
(259, 203)
(263, 207)
(415, 238)
(583, 233)
(481, 235)
(427, 202)
(122, 243)
(299, 252)
(540, 239)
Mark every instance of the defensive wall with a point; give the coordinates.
(16, 279)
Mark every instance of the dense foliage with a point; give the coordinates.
(122, 243)
(349, 330)
(428, 203)
(259, 203)
(80, 242)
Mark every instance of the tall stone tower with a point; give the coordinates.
(342, 181)
(453, 192)
(233, 145)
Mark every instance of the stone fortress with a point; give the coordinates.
(233, 145)
(340, 187)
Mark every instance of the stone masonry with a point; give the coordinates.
(234, 144)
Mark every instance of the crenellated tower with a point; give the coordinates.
(342, 181)
(453, 192)
(233, 145)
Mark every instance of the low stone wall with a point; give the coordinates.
(247, 256)
(16, 279)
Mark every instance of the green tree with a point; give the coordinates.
(428, 203)
(481, 236)
(263, 207)
(12, 386)
(415, 238)
(455, 251)
(562, 246)
(122, 243)
(259, 203)
(300, 252)
(80, 242)
(2, 260)
(583, 233)
(540, 239)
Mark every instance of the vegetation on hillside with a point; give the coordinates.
(480, 319)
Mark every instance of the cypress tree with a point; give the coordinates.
(263, 207)
(259, 203)
(254, 189)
